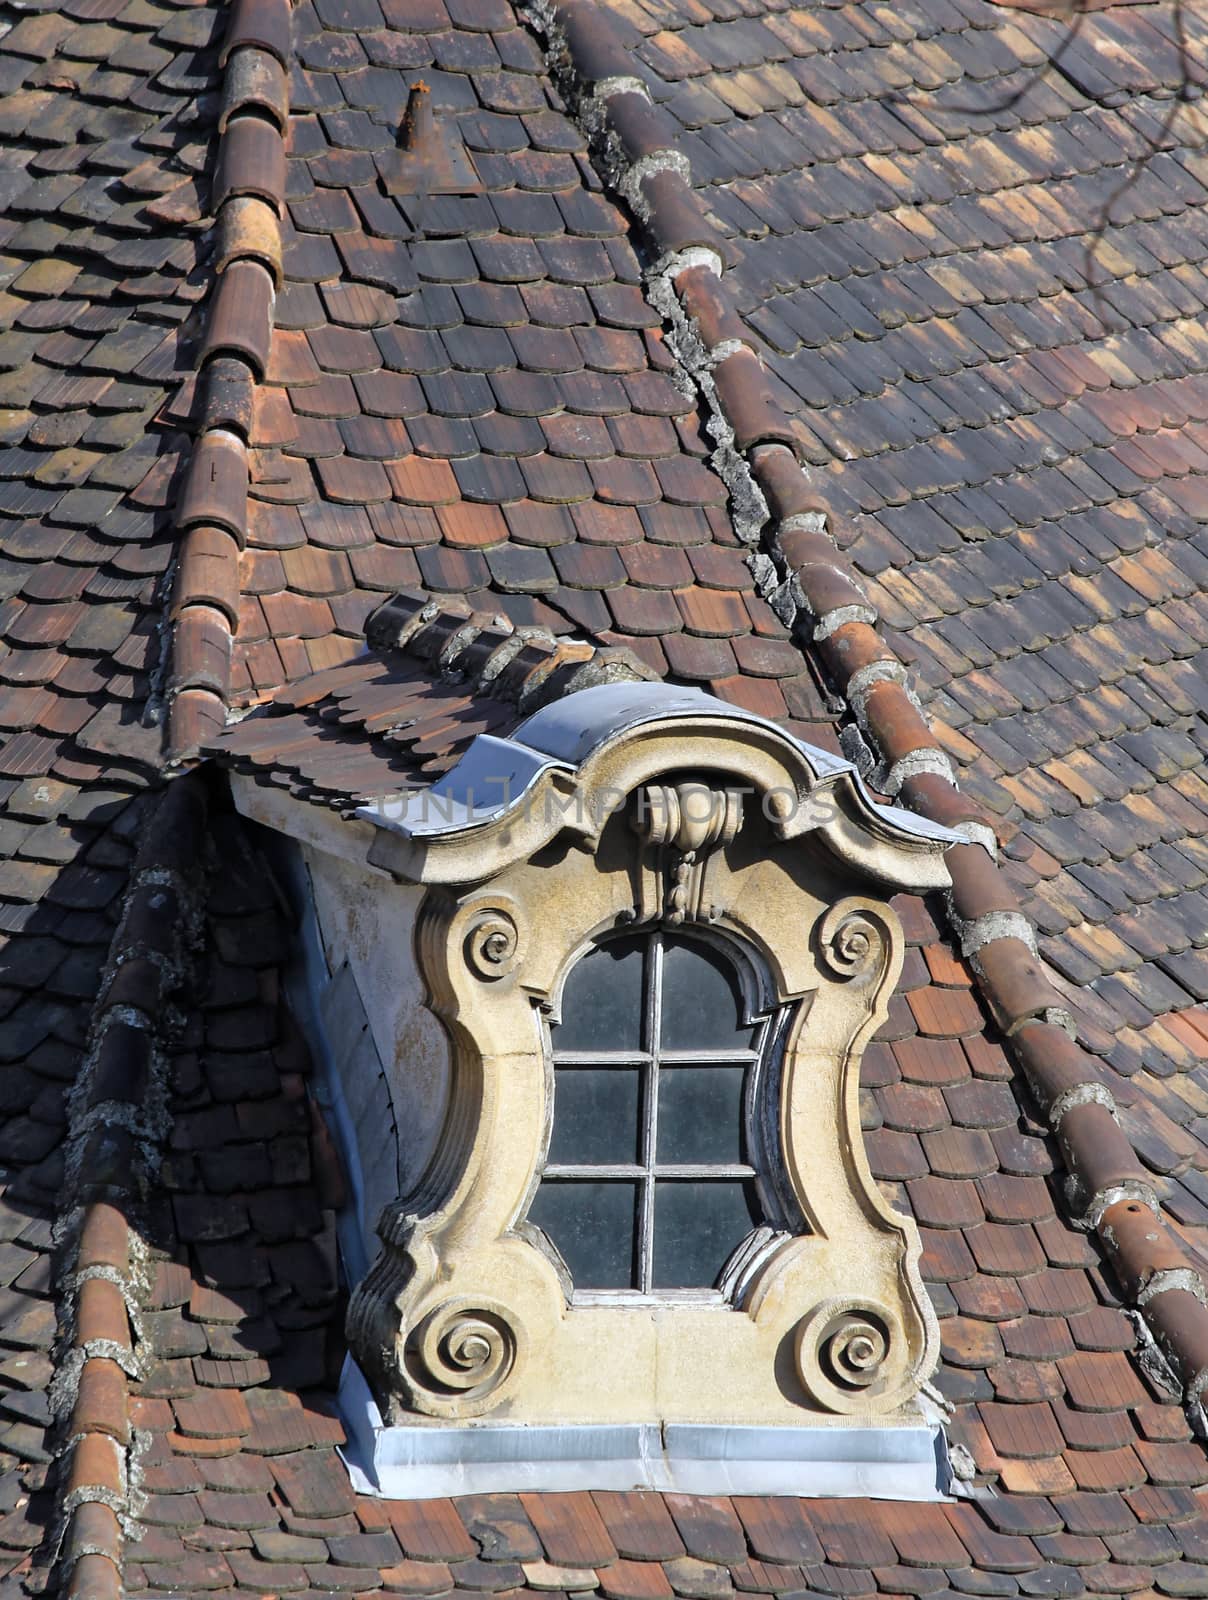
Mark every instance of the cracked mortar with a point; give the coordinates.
(986, 929)
(1086, 1094)
(155, 707)
(1153, 1362)
(1088, 1211)
(748, 507)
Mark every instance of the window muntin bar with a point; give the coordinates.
(686, 1068)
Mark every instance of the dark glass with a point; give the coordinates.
(700, 1115)
(594, 1226)
(697, 1226)
(595, 1116)
(602, 1000)
(702, 1002)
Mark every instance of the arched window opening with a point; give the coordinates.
(651, 1181)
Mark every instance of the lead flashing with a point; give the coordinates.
(425, 1462)
(572, 763)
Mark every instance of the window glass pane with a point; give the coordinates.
(702, 1002)
(696, 1227)
(700, 1115)
(595, 1116)
(602, 999)
(594, 1226)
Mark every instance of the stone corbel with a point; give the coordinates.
(682, 825)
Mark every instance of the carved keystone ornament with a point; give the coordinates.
(646, 1206)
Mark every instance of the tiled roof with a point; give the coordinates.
(472, 395)
(1097, 1474)
(979, 281)
(106, 134)
(472, 399)
(247, 192)
(1107, 1186)
(402, 714)
(387, 719)
(105, 115)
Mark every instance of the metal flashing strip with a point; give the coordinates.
(908, 821)
(495, 774)
(427, 1461)
(492, 777)
(572, 728)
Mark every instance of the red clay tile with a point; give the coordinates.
(944, 1013)
(570, 1528)
(762, 696)
(1105, 1470)
(634, 1580)
(715, 613)
(201, 652)
(471, 526)
(849, 1536)
(708, 1527)
(251, 160)
(1101, 1382)
(1027, 1431)
(423, 481)
(348, 481)
(922, 1535)
(262, 23)
(212, 1414)
(430, 1530)
(640, 1526)
(779, 1530)
(216, 485)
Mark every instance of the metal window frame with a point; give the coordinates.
(649, 1061)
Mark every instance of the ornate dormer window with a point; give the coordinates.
(592, 1008)
(656, 933)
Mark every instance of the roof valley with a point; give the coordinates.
(1108, 1190)
(117, 1125)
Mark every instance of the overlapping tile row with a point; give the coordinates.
(979, 283)
(247, 197)
(243, 1314)
(1108, 1186)
(50, 970)
(473, 395)
(1099, 1480)
(1035, 1331)
(105, 123)
(439, 674)
(27, 1327)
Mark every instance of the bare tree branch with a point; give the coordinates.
(1187, 90)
